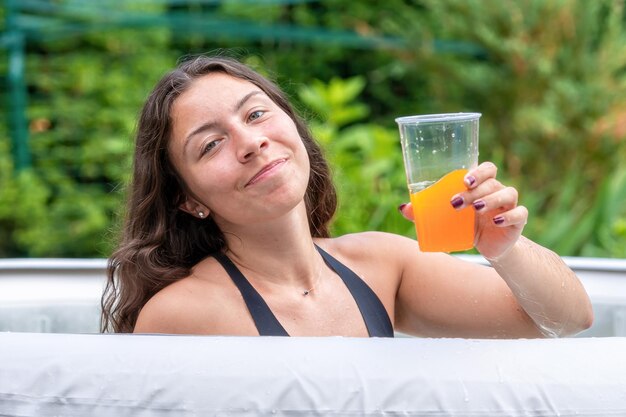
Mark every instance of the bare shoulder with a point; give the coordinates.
(173, 309)
(377, 250)
(197, 304)
(396, 254)
(379, 258)
(373, 245)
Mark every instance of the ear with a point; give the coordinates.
(191, 206)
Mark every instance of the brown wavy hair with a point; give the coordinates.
(160, 243)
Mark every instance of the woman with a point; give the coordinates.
(227, 233)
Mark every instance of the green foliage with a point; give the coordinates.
(84, 99)
(548, 76)
(366, 158)
(597, 231)
(334, 102)
(23, 199)
(608, 232)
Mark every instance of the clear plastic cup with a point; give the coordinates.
(438, 150)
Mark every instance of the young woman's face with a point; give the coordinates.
(239, 154)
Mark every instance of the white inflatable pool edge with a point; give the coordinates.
(46, 374)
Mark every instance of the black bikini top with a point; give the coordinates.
(374, 314)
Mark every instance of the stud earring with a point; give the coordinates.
(201, 214)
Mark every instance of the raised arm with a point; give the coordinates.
(528, 292)
(548, 290)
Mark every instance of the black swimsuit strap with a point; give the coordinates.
(372, 310)
(265, 321)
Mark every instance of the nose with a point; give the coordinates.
(250, 144)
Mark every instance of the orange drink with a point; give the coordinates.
(440, 227)
(438, 151)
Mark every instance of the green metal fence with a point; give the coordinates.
(46, 20)
(41, 21)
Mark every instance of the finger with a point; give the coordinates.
(505, 198)
(406, 210)
(462, 200)
(480, 174)
(517, 216)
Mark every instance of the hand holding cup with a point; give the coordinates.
(438, 151)
(499, 219)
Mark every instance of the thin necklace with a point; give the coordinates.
(317, 281)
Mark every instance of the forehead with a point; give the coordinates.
(215, 87)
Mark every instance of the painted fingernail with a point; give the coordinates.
(478, 205)
(457, 202)
(470, 180)
(401, 207)
(498, 220)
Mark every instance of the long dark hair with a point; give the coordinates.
(160, 243)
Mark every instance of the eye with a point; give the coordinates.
(209, 146)
(255, 115)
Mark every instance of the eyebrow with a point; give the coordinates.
(210, 125)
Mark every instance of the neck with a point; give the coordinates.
(278, 252)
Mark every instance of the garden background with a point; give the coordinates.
(548, 76)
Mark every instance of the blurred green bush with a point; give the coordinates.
(549, 78)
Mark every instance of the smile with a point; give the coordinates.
(266, 171)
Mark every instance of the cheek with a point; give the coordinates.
(302, 150)
(306, 160)
(298, 144)
(205, 184)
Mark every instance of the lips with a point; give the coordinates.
(265, 170)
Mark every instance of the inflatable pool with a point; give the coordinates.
(45, 375)
(52, 363)
(63, 295)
